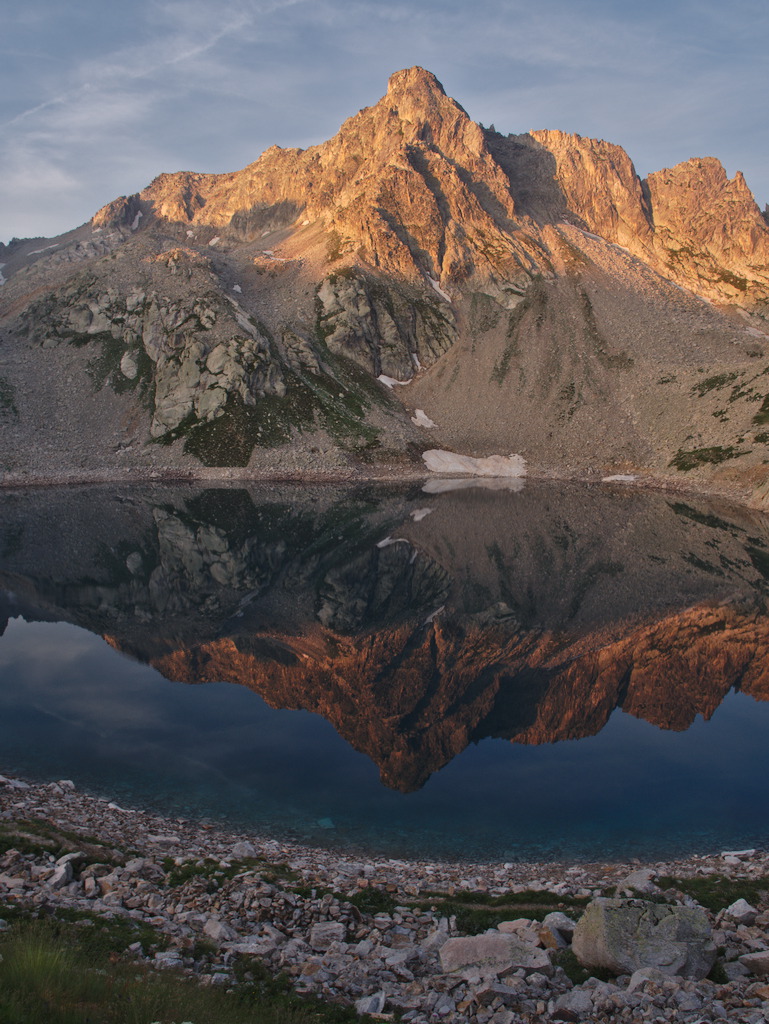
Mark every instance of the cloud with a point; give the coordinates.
(101, 104)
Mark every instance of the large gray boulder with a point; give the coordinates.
(625, 935)
(493, 953)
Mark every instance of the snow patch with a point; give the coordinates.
(438, 289)
(36, 252)
(391, 540)
(190, 234)
(305, 223)
(214, 240)
(2, 279)
(237, 288)
(421, 513)
(137, 218)
(270, 255)
(421, 419)
(390, 382)
(415, 361)
(587, 234)
(442, 485)
(432, 615)
(619, 478)
(438, 461)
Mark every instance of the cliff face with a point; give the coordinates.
(690, 223)
(537, 295)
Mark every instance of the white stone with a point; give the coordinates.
(326, 932)
(218, 930)
(62, 875)
(741, 912)
(243, 850)
(495, 952)
(638, 881)
(757, 963)
(578, 1001)
(371, 1004)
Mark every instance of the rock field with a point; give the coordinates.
(379, 933)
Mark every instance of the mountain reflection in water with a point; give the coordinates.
(416, 624)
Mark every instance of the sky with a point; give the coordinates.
(97, 99)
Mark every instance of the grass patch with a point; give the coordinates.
(50, 973)
(337, 403)
(715, 892)
(740, 283)
(7, 398)
(715, 383)
(686, 460)
(485, 312)
(477, 911)
(570, 965)
(41, 838)
(762, 416)
(535, 300)
(215, 874)
(609, 360)
(334, 247)
(373, 901)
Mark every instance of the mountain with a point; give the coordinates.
(536, 295)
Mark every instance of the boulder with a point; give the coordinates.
(218, 930)
(638, 881)
(62, 875)
(492, 953)
(323, 934)
(579, 1002)
(644, 975)
(627, 935)
(757, 963)
(741, 912)
(243, 850)
(556, 931)
(371, 1004)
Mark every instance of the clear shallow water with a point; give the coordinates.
(557, 610)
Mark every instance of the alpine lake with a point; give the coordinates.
(442, 670)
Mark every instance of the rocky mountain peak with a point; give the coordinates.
(413, 81)
(429, 116)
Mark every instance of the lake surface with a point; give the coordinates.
(561, 671)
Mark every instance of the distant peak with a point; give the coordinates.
(412, 80)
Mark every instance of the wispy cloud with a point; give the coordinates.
(191, 85)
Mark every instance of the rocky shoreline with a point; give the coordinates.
(390, 936)
(396, 474)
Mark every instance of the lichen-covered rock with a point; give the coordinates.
(627, 935)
